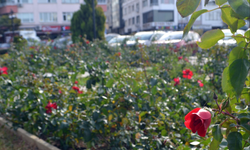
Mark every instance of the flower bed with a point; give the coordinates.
(116, 106)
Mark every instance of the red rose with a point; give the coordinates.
(186, 59)
(60, 91)
(75, 88)
(179, 58)
(119, 53)
(79, 92)
(54, 47)
(3, 70)
(50, 106)
(187, 73)
(177, 81)
(200, 83)
(87, 42)
(198, 120)
(76, 82)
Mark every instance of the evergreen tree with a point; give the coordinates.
(82, 22)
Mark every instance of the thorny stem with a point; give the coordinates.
(228, 114)
(223, 122)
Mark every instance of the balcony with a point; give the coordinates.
(8, 5)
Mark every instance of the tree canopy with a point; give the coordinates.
(82, 22)
(6, 25)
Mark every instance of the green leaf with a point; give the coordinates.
(214, 145)
(164, 133)
(239, 38)
(247, 35)
(238, 71)
(220, 2)
(234, 141)
(241, 7)
(194, 16)
(216, 131)
(232, 22)
(187, 7)
(110, 83)
(245, 123)
(237, 53)
(210, 38)
(226, 84)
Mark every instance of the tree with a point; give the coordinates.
(82, 22)
(6, 24)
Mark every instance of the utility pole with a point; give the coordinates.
(93, 9)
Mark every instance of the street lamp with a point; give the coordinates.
(12, 16)
(93, 9)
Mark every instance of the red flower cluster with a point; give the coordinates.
(177, 81)
(180, 57)
(50, 106)
(198, 120)
(77, 89)
(187, 73)
(76, 82)
(3, 70)
(200, 83)
(119, 53)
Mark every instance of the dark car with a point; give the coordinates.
(175, 38)
(4, 47)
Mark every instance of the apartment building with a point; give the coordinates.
(45, 16)
(149, 15)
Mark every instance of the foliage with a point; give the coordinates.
(129, 99)
(235, 77)
(82, 22)
(6, 25)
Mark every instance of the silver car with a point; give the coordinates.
(145, 38)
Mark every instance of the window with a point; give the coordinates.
(213, 16)
(167, 1)
(46, 1)
(125, 11)
(182, 19)
(48, 17)
(153, 2)
(101, 1)
(70, 1)
(144, 3)
(137, 7)
(133, 8)
(129, 21)
(25, 1)
(138, 19)
(158, 16)
(26, 17)
(129, 9)
(133, 20)
(67, 16)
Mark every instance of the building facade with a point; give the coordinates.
(115, 16)
(143, 15)
(51, 16)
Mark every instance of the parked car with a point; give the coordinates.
(61, 43)
(145, 38)
(109, 36)
(175, 38)
(4, 47)
(228, 40)
(117, 41)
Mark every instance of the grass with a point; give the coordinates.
(9, 141)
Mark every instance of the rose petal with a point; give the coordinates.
(191, 112)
